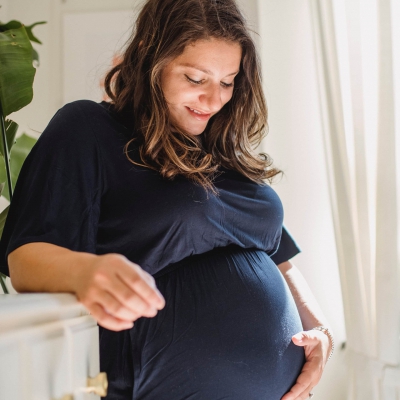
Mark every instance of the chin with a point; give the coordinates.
(195, 133)
(195, 130)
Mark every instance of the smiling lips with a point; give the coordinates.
(198, 115)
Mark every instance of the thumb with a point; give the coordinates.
(302, 339)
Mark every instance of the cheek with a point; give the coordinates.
(169, 93)
(176, 92)
(181, 98)
(227, 96)
(168, 87)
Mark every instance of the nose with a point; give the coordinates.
(211, 98)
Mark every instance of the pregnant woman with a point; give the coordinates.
(155, 210)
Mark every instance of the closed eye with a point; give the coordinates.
(226, 85)
(193, 81)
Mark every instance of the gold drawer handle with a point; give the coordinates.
(66, 397)
(97, 385)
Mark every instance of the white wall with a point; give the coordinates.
(3, 11)
(250, 11)
(295, 142)
(33, 118)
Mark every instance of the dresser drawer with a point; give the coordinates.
(48, 360)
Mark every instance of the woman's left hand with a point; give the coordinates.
(317, 348)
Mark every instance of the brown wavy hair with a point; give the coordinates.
(162, 31)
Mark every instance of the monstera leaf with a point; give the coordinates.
(11, 132)
(16, 25)
(20, 150)
(16, 70)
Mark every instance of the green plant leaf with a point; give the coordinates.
(16, 70)
(35, 57)
(3, 283)
(2, 187)
(3, 217)
(11, 129)
(19, 152)
(31, 36)
(17, 24)
(10, 25)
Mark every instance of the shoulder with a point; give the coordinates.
(83, 120)
(80, 110)
(66, 153)
(70, 132)
(70, 124)
(83, 105)
(101, 116)
(85, 126)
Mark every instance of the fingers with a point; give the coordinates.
(114, 307)
(127, 303)
(118, 292)
(316, 343)
(108, 321)
(305, 338)
(304, 394)
(296, 391)
(308, 378)
(141, 283)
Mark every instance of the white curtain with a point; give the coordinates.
(357, 45)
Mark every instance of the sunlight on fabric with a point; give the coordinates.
(369, 48)
(343, 53)
(358, 57)
(356, 38)
(396, 77)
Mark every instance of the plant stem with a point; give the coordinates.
(6, 155)
(3, 283)
(7, 163)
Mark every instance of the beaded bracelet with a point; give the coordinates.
(329, 334)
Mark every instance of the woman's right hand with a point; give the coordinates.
(117, 291)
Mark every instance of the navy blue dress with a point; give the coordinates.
(225, 332)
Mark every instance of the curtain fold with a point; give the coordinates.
(356, 51)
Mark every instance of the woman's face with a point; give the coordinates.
(199, 82)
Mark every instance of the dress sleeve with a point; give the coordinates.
(287, 249)
(57, 195)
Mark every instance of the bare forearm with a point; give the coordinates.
(310, 312)
(44, 267)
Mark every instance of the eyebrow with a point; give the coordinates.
(206, 71)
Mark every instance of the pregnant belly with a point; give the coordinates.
(225, 332)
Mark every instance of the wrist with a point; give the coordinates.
(328, 333)
(81, 266)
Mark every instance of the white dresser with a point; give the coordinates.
(49, 349)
